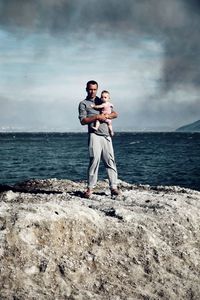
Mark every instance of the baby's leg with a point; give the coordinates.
(96, 127)
(110, 129)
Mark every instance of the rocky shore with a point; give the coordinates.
(54, 244)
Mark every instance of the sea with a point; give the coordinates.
(153, 158)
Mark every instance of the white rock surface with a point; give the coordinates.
(144, 244)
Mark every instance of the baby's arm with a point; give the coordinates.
(100, 106)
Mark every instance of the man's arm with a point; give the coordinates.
(99, 117)
(112, 115)
(88, 120)
(84, 119)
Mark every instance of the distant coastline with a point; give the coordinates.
(192, 127)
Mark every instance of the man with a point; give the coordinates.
(100, 143)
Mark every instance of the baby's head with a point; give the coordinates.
(105, 96)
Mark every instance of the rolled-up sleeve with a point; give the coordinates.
(82, 111)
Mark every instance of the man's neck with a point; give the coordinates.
(91, 99)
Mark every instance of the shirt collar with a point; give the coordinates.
(92, 100)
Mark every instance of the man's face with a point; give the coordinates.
(92, 90)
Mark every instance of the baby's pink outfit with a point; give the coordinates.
(107, 110)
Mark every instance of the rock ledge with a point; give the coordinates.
(56, 245)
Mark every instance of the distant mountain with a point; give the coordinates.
(194, 127)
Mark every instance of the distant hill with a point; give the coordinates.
(194, 127)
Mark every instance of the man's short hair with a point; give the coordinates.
(91, 82)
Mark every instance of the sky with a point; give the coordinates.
(146, 53)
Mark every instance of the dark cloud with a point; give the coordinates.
(194, 5)
(175, 23)
(59, 16)
(21, 13)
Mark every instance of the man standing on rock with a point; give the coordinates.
(100, 142)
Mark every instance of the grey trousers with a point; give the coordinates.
(100, 147)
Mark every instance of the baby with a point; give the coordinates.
(105, 108)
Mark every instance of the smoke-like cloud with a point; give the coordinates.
(174, 22)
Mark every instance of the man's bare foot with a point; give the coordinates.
(115, 192)
(88, 193)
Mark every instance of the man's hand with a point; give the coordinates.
(102, 117)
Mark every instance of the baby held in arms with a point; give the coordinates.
(105, 108)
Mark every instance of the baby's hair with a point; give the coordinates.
(105, 92)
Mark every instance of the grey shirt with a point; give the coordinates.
(85, 110)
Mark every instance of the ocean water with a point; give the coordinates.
(142, 158)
